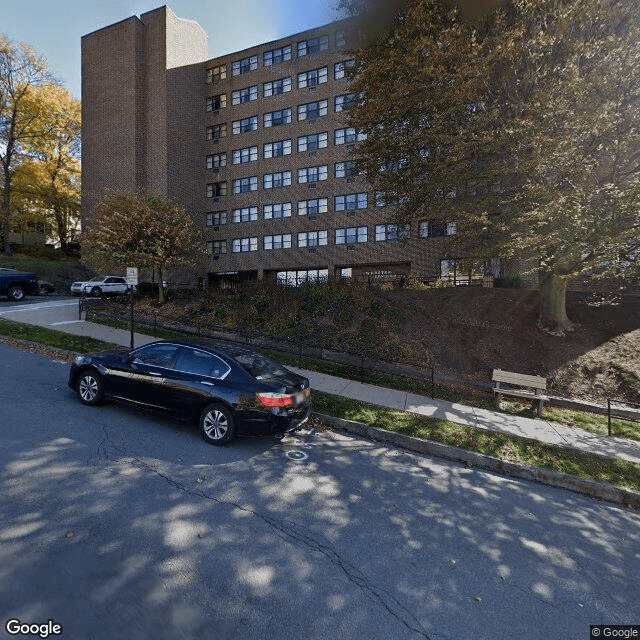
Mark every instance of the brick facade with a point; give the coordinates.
(153, 113)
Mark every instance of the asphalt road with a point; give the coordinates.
(120, 524)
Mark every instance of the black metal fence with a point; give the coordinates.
(361, 362)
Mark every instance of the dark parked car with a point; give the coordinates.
(17, 284)
(226, 389)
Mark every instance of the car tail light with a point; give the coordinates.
(275, 399)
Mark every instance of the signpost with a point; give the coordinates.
(132, 281)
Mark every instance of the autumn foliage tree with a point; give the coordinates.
(47, 183)
(143, 232)
(21, 70)
(521, 123)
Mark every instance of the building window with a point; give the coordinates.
(296, 278)
(312, 142)
(347, 169)
(244, 95)
(215, 74)
(339, 68)
(216, 160)
(312, 110)
(245, 125)
(346, 272)
(246, 214)
(216, 218)
(244, 245)
(277, 211)
(351, 235)
(216, 247)
(217, 131)
(277, 87)
(313, 174)
(351, 202)
(313, 45)
(243, 156)
(344, 102)
(313, 238)
(216, 102)
(276, 56)
(276, 180)
(437, 229)
(277, 149)
(245, 185)
(281, 241)
(312, 207)
(215, 189)
(277, 118)
(389, 197)
(245, 65)
(392, 232)
(313, 78)
(349, 136)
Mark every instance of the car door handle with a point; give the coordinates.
(154, 373)
(209, 384)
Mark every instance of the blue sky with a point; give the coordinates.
(54, 27)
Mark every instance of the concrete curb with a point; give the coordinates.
(616, 495)
(610, 493)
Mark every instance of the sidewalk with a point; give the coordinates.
(63, 316)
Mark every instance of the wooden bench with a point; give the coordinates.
(529, 387)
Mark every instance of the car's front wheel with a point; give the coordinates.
(96, 292)
(217, 425)
(89, 386)
(43, 289)
(16, 293)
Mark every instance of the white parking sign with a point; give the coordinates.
(132, 276)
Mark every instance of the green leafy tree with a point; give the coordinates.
(145, 232)
(21, 69)
(521, 123)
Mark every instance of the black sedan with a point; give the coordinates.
(226, 389)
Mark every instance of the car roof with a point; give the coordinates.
(214, 346)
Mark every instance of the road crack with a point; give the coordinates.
(287, 531)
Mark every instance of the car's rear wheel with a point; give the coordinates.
(16, 293)
(217, 425)
(96, 292)
(89, 387)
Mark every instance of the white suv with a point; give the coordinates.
(100, 285)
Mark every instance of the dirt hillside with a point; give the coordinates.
(462, 331)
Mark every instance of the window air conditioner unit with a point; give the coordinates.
(215, 169)
(312, 249)
(216, 140)
(215, 199)
(216, 257)
(351, 147)
(351, 247)
(216, 112)
(312, 185)
(312, 87)
(312, 153)
(216, 228)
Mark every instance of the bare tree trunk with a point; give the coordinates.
(6, 212)
(553, 308)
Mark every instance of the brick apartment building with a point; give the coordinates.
(254, 143)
